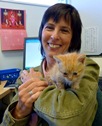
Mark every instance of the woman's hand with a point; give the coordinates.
(25, 75)
(28, 92)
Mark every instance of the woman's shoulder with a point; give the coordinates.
(91, 61)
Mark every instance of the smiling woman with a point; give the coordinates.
(39, 2)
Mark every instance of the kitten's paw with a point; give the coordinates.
(60, 86)
(49, 80)
(75, 86)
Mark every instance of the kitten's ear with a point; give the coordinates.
(82, 58)
(57, 59)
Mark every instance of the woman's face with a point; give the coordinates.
(56, 37)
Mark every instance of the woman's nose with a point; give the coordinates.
(55, 35)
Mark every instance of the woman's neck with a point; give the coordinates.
(49, 63)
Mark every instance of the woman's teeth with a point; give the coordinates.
(54, 46)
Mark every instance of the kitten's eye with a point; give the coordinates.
(65, 74)
(75, 73)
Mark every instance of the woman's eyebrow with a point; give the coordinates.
(48, 23)
(66, 27)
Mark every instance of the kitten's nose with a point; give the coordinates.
(70, 77)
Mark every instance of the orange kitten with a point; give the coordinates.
(67, 71)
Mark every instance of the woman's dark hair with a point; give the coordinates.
(71, 15)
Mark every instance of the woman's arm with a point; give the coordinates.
(9, 120)
(19, 111)
(73, 108)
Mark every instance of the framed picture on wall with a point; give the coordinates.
(12, 19)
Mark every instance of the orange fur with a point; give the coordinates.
(67, 71)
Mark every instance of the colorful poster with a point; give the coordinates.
(12, 19)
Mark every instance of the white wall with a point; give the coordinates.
(91, 16)
(14, 59)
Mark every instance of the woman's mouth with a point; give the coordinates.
(54, 46)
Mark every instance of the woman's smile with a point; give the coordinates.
(51, 45)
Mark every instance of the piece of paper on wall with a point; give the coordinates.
(90, 42)
(12, 39)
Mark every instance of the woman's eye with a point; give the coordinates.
(49, 28)
(64, 31)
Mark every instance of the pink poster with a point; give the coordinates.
(12, 39)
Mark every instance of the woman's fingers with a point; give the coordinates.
(31, 87)
(24, 107)
(33, 83)
(25, 75)
(28, 92)
(27, 97)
